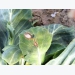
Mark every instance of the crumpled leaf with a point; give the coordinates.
(34, 43)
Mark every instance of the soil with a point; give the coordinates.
(51, 16)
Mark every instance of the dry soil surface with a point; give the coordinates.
(51, 16)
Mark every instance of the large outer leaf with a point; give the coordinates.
(20, 14)
(11, 55)
(62, 36)
(16, 21)
(36, 47)
(20, 21)
(12, 22)
(70, 49)
(14, 16)
(23, 25)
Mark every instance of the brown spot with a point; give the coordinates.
(28, 35)
(35, 43)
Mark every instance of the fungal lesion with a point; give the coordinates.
(35, 43)
(31, 37)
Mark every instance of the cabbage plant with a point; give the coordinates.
(22, 43)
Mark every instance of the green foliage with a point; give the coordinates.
(23, 44)
(35, 47)
(12, 54)
(67, 56)
(12, 23)
(62, 36)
